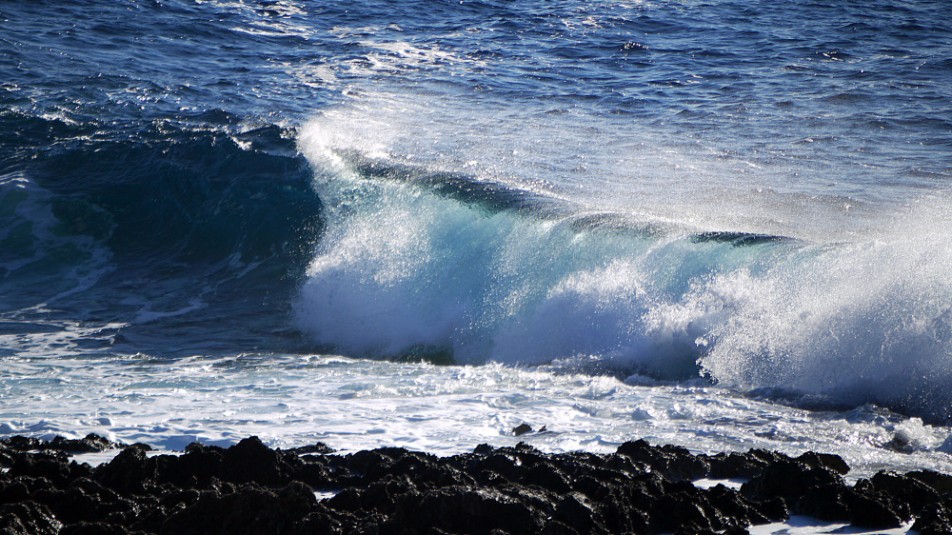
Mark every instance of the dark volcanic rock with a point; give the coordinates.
(470, 510)
(251, 488)
(317, 447)
(733, 508)
(827, 502)
(21, 443)
(735, 465)
(825, 460)
(196, 467)
(869, 511)
(251, 461)
(672, 461)
(27, 518)
(89, 444)
(521, 429)
(250, 510)
(942, 483)
(934, 520)
(85, 500)
(789, 479)
(129, 472)
(907, 495)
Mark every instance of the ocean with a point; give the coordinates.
(719, 224)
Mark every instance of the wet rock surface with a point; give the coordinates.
(251, 488)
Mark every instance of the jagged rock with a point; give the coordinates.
(250, 460)
(507, 466)
(196, 467)
(827, 502)
(773, 509)
(734, 509)
(51, 467)
(825, 460)
(28, 518)
(521, 429)
(740, 465)
(81, 503)
(251, 488)
(89, 444)
(128, 472)
(576, 512)
(908, 495)
(180, 498)
(470, 510)
(674, 462)
(352, 468)
(873, 513)
(941, 483)
(323, 522)
(734, 466)
(21, 443)
(934, 519)
(313, 471)
(251, 510)
(317, 447)
(427, 472)
(554, 527)
(378, 497)
(547, 476)
(789, 479)
(679, 510)
(21, 487)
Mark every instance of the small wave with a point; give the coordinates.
(176, 225)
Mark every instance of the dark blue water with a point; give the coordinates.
(669, 188)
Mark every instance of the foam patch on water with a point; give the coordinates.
(803, 525)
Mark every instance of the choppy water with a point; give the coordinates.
(700, 222)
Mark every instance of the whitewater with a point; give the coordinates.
(374, 224)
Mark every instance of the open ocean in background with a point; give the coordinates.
(718, 224)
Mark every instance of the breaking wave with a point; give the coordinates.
(422, 262)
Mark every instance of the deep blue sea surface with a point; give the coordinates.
(694, 203)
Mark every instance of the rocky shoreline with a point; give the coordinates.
(252, 489)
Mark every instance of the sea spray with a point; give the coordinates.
(859, 322)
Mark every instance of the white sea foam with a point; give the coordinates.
(860, 322)
(803, 525)
(357, 404)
